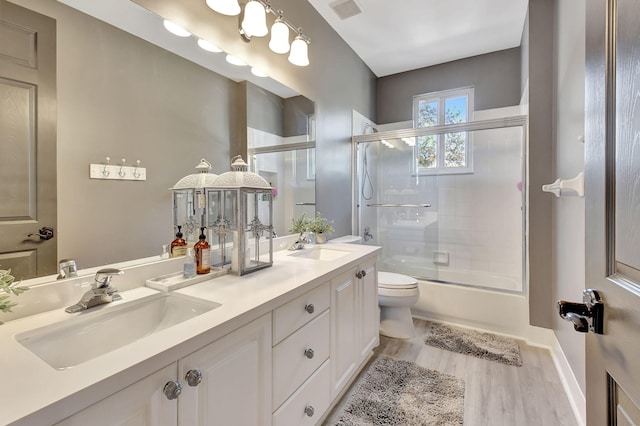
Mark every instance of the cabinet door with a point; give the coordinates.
(141, 404)
(236, 379)
(369, 311)
(344, 346)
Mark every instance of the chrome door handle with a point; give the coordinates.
(587, 316)
(45, 233)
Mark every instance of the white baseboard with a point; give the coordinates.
(571, 387)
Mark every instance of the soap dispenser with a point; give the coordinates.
(179, 245)
(203, 254)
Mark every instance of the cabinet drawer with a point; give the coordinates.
(315, 394)
(290, 317)
(291, 365)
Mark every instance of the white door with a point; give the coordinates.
(27, 142)
(612, 187)
(141, 404)
(235, 379)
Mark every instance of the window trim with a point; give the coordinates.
(440, 97)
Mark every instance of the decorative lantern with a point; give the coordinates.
(189, 200)
(240, 213)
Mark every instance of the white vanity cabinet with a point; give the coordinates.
(226, 382)
(142, 403)
(301, 379)
(287, 367)
(354, 322)
(235, 386)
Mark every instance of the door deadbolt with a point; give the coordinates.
(587, 316)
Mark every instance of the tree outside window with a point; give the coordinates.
(450, 152)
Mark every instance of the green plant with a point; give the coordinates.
(320, 225)
(299, 225)
(9, 286)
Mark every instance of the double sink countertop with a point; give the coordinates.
(33, 392)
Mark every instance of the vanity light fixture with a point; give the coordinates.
(175, 29)
(253, 24)
(235, 61)
(225, 7)
(279, 42)
(205, 45)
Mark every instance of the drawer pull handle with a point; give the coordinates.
(172, 389)
(193, 377)
(309, 410)
(308, 353)
(309, 308)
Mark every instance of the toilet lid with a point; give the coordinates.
(393, 280)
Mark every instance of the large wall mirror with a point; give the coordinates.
(127, 89)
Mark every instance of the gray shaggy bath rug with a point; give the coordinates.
(396, 392)
(474, 343)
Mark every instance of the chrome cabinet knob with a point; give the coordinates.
(193, 377)
(359, 274)
(308, 353)
(364, 274)
(309, 410)
(172, 389)
(309, 308)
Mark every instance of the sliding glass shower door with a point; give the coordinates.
(446, 225)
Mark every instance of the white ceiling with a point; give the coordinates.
(402, 35)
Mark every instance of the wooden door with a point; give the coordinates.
(613, 208)
(27, 141)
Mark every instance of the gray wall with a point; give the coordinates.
(541, 307)
(569, 212)
(265, 110)
(495, 76)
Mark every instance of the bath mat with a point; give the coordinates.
(474, 343)
(396, 392)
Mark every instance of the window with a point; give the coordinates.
(447, 153)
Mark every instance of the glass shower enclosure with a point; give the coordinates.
(456, 225)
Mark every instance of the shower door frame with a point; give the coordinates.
(496, 123)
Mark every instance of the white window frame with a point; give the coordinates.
(440, 97)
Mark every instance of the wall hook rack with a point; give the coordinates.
(109, 171)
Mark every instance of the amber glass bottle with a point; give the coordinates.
(179, 245)
(203, 254)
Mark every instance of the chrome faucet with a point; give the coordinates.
(304, 238)
(67, 268)
(101, 291)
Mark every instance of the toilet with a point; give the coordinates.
(397, 293)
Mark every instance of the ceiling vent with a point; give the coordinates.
(345, 8)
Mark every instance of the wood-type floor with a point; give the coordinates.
(495, 394)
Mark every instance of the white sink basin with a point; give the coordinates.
(320, 253)
(91, 334)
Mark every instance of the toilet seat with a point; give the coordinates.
(393, 281)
